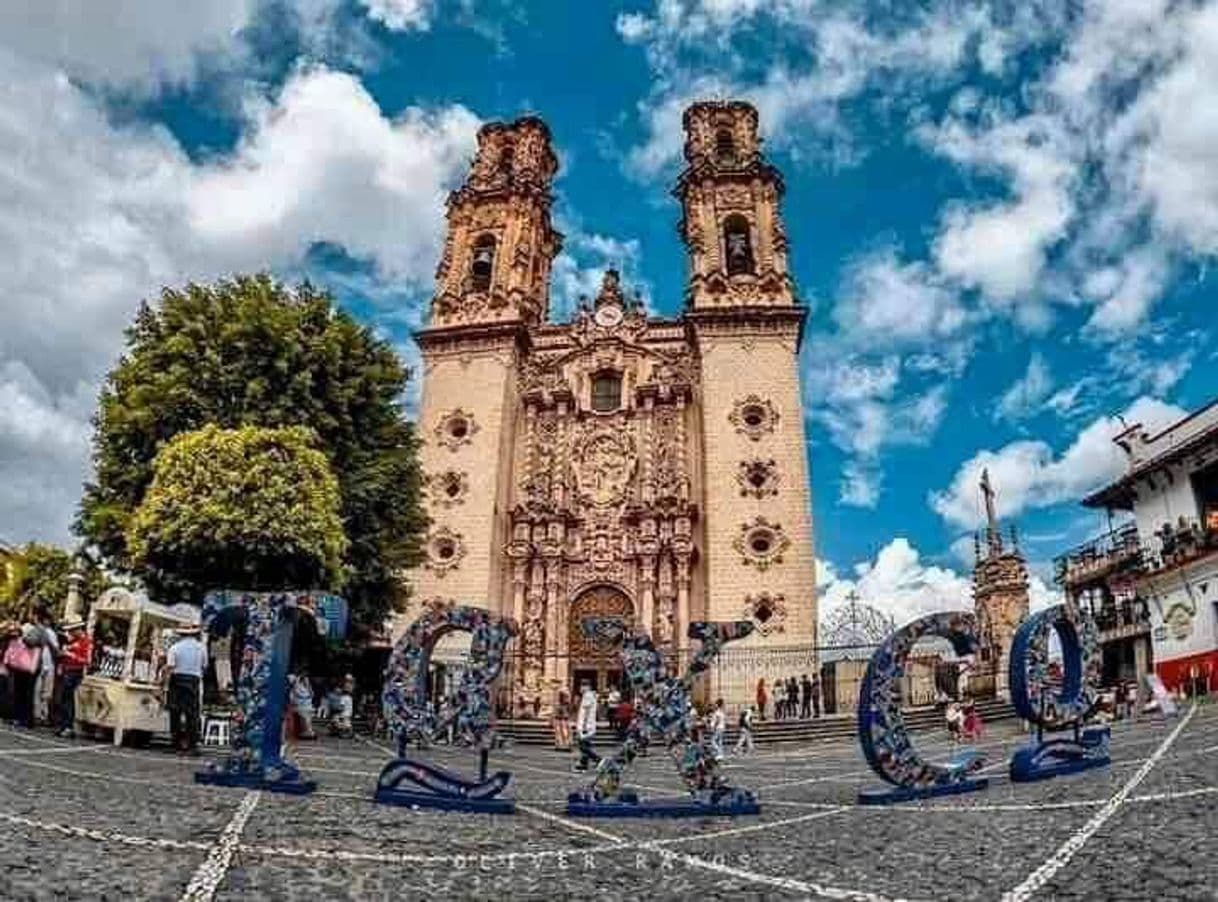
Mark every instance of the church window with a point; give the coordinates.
(606, 391)
(725, 147)
(754, 416)
(456, 428)
(445, 549)
(737, 245)
(483, 265)
(757, 478)
(761, 543)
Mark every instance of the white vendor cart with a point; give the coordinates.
(122, 687)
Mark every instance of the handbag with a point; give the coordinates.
(21, 657)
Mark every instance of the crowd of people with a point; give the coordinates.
(41, 665)
(792, 697)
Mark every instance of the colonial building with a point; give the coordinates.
(618, 464)
(1157, 575)
(1000, 598)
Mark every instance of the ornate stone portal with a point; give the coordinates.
(617, 463)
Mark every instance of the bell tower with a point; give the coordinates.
(746, 322)
(730, 198)
(500, 246)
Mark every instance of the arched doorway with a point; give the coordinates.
(598, 664)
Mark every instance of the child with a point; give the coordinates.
(745, 742)
(955, 720)
(342, 708)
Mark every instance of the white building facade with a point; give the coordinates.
(1171, 488)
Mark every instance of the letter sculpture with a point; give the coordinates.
(411, 717)
(1035, 699)
(886, 743)
(663, 711)
(270, 622)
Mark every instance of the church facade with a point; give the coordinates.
(619, 464)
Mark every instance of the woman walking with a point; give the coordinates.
(22, 659)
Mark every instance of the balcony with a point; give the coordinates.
(1122, 619)
(1183, 543)
(1119, 551)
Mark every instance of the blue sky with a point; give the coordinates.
(1002, 215)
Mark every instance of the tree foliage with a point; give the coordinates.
(248, 508)
(251, 352)
(36, 575)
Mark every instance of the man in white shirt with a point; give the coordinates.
(185, 664)
(585, 725)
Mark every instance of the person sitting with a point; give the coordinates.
(342, 709)
(302, 705)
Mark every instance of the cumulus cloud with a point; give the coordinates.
(1105, 160)
(135, 42)
(900, 585)
(96, 217)
(886, 301)
(1029, 474)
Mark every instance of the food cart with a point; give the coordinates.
(122, 687)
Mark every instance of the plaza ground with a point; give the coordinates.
(85, 820)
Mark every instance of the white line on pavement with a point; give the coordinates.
(211, 873)
(1075, 843)
(63, 750)
(572, 825)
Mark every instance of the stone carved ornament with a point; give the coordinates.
(604, 466)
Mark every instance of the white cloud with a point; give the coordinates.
(1001, 248)
(400, 15)
(886, 301)
(860, 484)
(131, 42)
(95, 217)
(1028, 393)
(579, 269)
(900, 585)
(1027, 474)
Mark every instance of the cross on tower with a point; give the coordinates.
(993, 536)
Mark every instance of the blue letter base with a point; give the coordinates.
(285, 779)
(910, 793)
(582, 804)
(441, 788)
(1057, 758)
(409, 799)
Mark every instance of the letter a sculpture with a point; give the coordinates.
(1035, 700)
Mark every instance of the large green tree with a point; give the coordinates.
(249, 508)
(252, 352)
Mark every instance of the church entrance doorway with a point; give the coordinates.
(592, 662)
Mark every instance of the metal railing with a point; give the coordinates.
(1117, 551)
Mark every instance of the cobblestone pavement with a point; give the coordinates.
(80, 820)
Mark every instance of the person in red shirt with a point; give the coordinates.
(72, 664)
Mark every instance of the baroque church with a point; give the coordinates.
(619, 464)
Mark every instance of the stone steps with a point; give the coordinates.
(824, 729)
